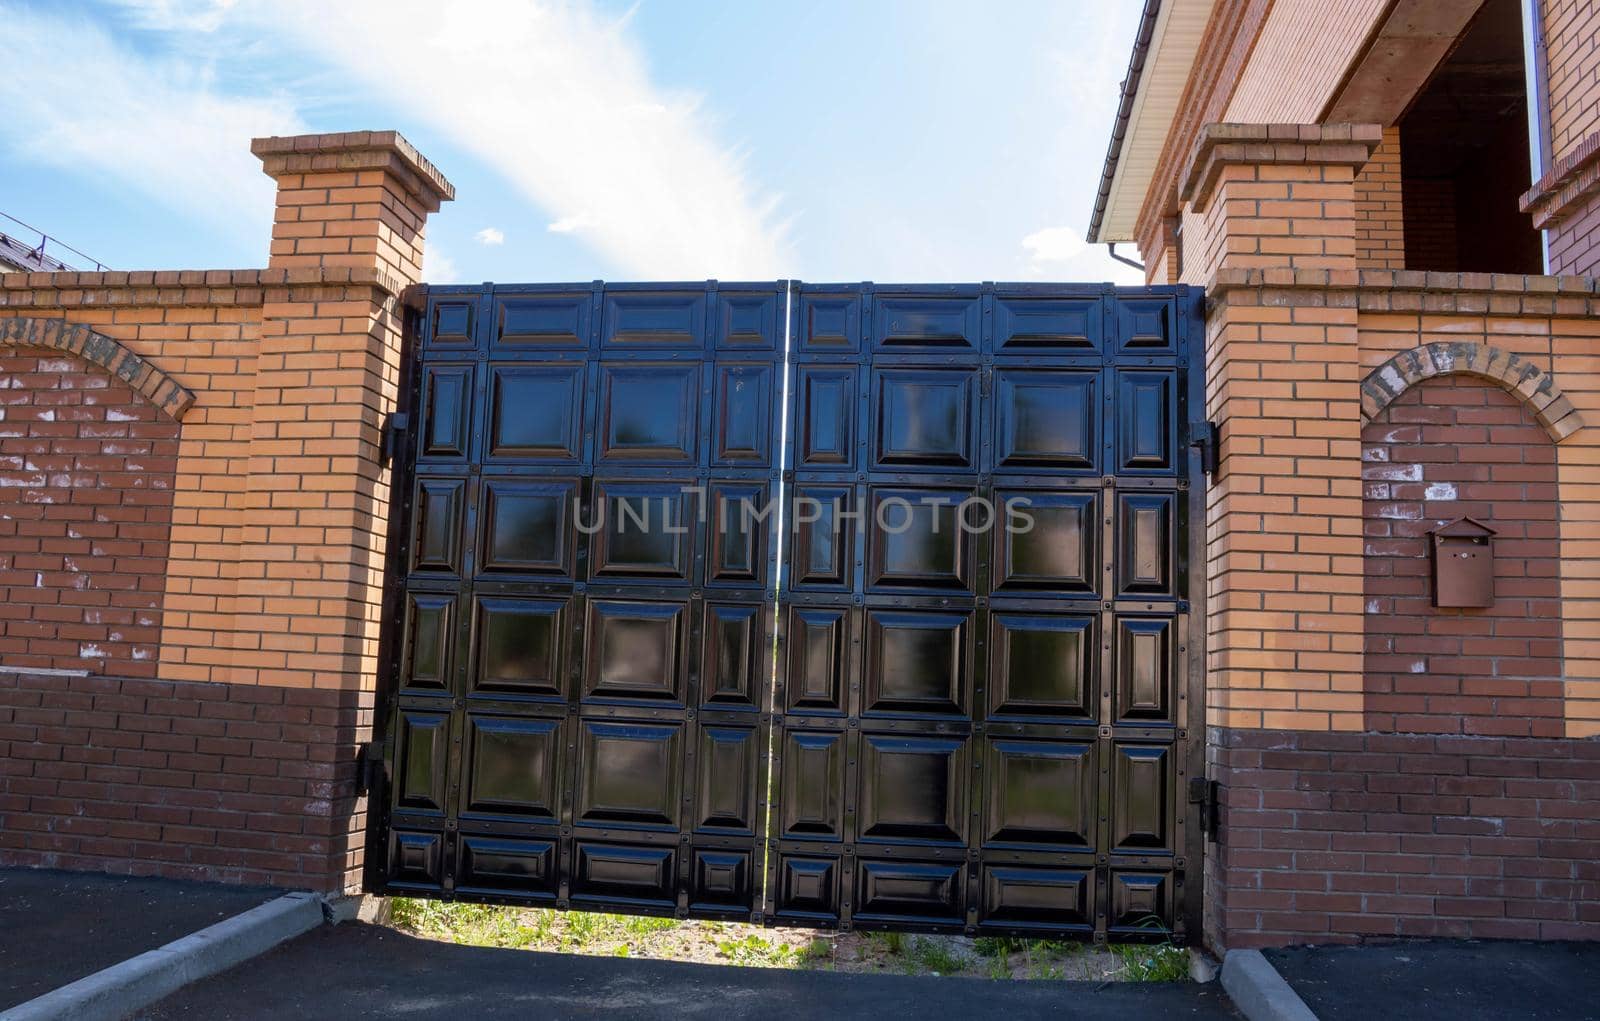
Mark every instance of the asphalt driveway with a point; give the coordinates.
(1446, 980)
(57, 927)
(363, 971)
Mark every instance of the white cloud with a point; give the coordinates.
(568, 224)
(179, 15)
(1054, 244)
(437, 267)
(90, 105)
(490, 236)
(559, 100)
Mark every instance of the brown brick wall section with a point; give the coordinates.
(1335, 838)
(1284, 520)
(1457, 446)
(1566, 200)
(238, 762)
(86, 484)
(1273, 196)
(217, 782)
(1534, 335)
(1284, 511)
(1575, 240)
(1380, 230)
(1430, 224)
(1302, 57)
(207, 335)
(1572, 60)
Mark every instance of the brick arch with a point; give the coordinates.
(1460, 445)
(88, 469)
(1512, 373)
(169, 396)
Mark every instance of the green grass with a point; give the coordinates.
(996, 946)
(483, 925)
(755, 952)
(1153, 962)
(892, 943)
(998, 957)
(818, 953)
(937, 958)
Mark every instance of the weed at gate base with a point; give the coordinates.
(731, 942)
(1153, 962)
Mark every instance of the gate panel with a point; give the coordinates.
(979, 711)
(982, 728)
(583, 670)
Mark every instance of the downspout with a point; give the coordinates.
(1534, 67)
(1111, 250)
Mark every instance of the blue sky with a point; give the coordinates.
(933, 141)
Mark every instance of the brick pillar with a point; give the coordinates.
(1273, 196)
(327, 374)
(310, 586)
(1283, 385)
(1380, 228)
(1284, 516)
(1162, 253)
(357, 199)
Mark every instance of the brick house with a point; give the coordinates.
(194, 497)
(1401, 332)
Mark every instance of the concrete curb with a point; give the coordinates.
(140, 981)
(1259, 991)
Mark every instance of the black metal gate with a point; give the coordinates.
(976, 711)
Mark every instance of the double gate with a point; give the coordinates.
(808, 605)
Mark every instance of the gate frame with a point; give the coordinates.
(1196, 441)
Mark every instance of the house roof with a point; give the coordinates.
(17, 255)
(1163, 54)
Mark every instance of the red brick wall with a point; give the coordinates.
(86, 483)
(1429, 212)
(1575, 241)
(201, 780)
(1380, 230)
(1454, 446)
(1333, 838)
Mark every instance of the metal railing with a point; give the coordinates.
(34, 257)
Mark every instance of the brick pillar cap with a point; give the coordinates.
(355, 151)
(1222, 144)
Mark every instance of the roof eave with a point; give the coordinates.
(1164, 51)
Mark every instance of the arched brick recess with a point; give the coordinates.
(87, 465)
(1512, 373)
(1451, 446)
(167, 394)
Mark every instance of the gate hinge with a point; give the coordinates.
(371, 770)
(1206, 794)
(395, 425)
(1203, 436)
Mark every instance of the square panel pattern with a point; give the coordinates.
(984, 611)
(961, 704)
(585, 649)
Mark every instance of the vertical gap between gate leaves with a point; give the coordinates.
(769, 774)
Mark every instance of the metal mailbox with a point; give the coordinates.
(1463, 564)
